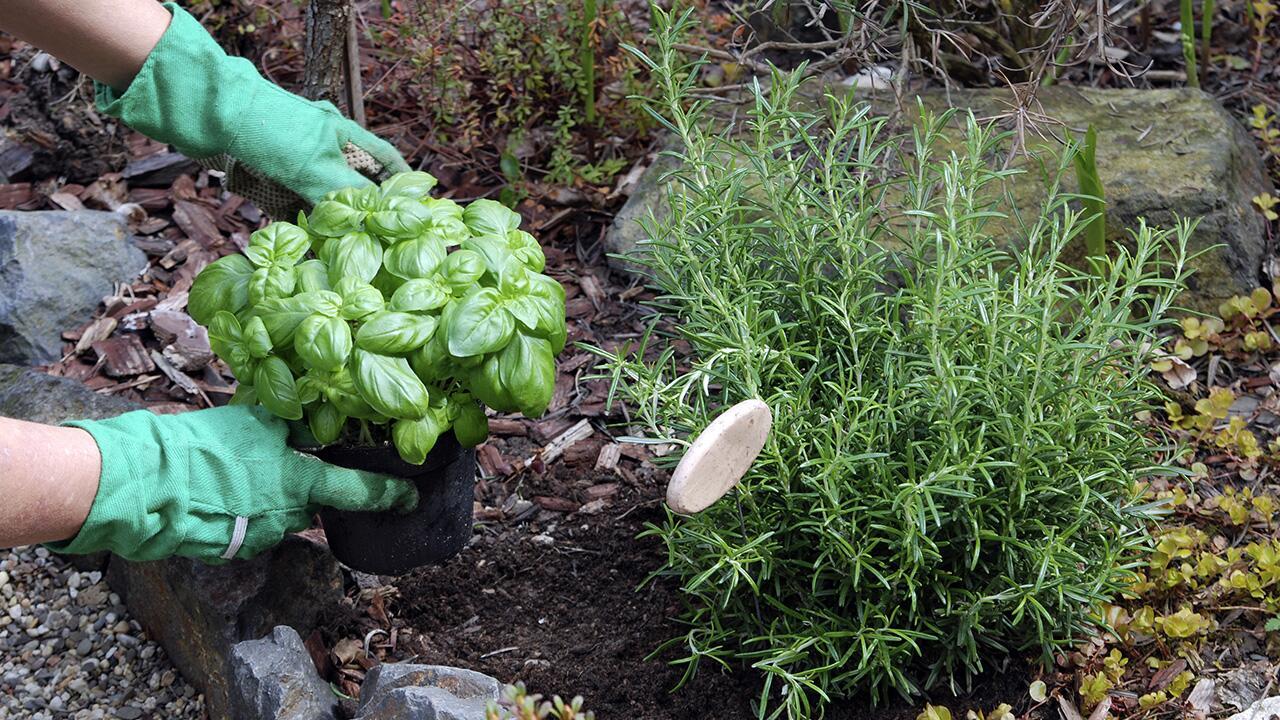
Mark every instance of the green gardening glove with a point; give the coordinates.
(218, 110)
(213, 485)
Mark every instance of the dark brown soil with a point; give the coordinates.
(51, 113)
(576, 617)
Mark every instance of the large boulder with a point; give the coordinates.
(55, 267)
(1162, 155)
(404, 691)
(275, 679)
(200, 612)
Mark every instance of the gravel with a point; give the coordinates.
(68, 649)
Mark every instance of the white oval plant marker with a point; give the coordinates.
(719, 457)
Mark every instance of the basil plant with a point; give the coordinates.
(386, 306)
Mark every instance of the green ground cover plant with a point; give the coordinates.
(955, 470)
(387, 308)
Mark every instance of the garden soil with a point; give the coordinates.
(576, 616)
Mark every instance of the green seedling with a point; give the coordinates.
(1095, 203)
(1188, 22)
(518, 704)
(587, 60)
(386, 307)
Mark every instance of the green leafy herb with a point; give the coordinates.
(361, 319)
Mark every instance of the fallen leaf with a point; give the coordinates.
(1175, 371)
(346, 650)
(1037, 691)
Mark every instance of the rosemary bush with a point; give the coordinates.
(953, 470)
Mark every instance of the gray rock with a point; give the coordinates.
(404, 691)
(199, 612)
(27, 394)
(1262, 710)
(1162, 154)
(55, 267)
(1242, 687)
(647, 203)
(274, 679)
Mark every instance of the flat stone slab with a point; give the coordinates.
(55, 267)
(1161, 154)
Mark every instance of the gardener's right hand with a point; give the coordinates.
(213, 485)
(215, 107)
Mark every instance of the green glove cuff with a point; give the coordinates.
(127, 514)
(191, 94)
(214, 485)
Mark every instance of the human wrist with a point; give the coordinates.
(141, 485)
(48, 479)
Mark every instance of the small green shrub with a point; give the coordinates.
(953, 468)
(482, 79)
(518, 704)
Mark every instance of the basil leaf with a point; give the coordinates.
(463, 268)
(492, 249)
(313, 276)
(224, 332)
(484, 382)
(223, 285)
(413, 184)
(416, 258)
(471, 427)
(352, 405)
(282, 317)
(355, 255)
(393, 333)
(324, 302)
(527, 370)
(279, 243)
(342, 213)
(402, 218)
(272, 281)
(389, 385)
(323, 343)
(546, 302)
(421, 295)
(489, 217)
(257, 341)
(245, 395)
(450, 231)
(527, 250)
(443, 210)
(277, 390)
(358, 298)
(478, 324)
(415, 438)
(310, 386)
(432, 362)
(514, 280)
(326, 422)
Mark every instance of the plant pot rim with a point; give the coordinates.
(384, 458)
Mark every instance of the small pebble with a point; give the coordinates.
(81, 660)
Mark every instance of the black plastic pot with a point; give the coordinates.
(392, 543)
